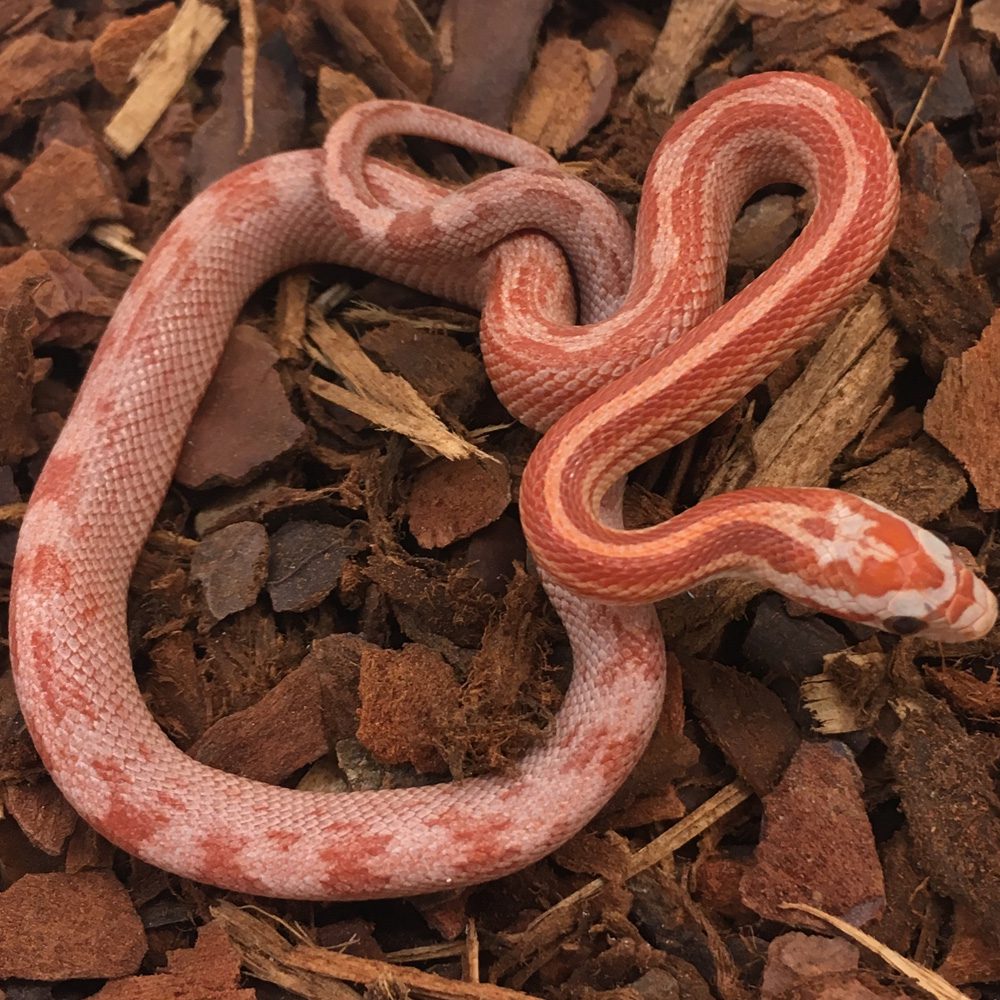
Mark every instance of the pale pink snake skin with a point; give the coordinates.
(689, 360)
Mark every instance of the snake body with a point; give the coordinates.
(658, 358)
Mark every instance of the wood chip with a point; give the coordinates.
(120, 44)
(691, 29)
(451, 500)
(163, 69)
(567, 94)
(827, 406)
(851, 691)
(386, 400)
(817, 842)
(744, 719)
(91, 928)
(962, 414)
(244, 420)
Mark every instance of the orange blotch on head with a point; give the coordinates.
(894, 533)
(911, 567)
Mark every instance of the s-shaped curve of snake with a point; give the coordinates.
(660, 356)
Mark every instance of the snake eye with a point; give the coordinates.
(904, 625)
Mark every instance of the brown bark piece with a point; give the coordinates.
(628, 34)
(231, 566)
(717, 886)
(919, 482)
(435, 608)
(763, 231)
(208, 971)
(271, 740)
(478, 88)
(19, 15)
(91, 928)
(359, 54)
(691, 29)
(970, 696)
(910, 904)
(17, 363)
(120, 44)
(178, 692)
(53, 212)
(826, 407)
(336, 91)
(790, 33)
(493, 551)
(408, 698)
(816, 843)
(337, 657)
(451, 500)
(18, 759)
(218, 145)
(985, 16)
(962, 414)
(402, 37)
(789, 647)
(794, 959)
(68, 308)
(244, 421)
(934, 291)
(945, 781)
(974, 953)
(35, 68)
(10, 170)
(168, 147)
(744, 719)
(566, 95)
(307, 558)
(43, 815)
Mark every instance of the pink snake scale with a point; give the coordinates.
(658, 358)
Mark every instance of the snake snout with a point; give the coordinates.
(968, 614)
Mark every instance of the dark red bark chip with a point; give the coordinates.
(91, 928)
(231, 566)
(816, 843)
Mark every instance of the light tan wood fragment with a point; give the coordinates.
(919, 974)
(250, 29)
(116, 236)
(690, 31)
(567, 93)
(386, 400)
(162, 71)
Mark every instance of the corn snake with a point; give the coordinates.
(660, 356)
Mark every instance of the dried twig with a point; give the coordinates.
(250, 29)
(927, 980)
(311, 971)
(956, 12)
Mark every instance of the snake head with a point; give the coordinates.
(878, 568)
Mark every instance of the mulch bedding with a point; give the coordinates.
(326, 604)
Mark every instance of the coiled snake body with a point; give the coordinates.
(659, 358)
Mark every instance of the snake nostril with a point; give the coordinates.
(905, 625)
